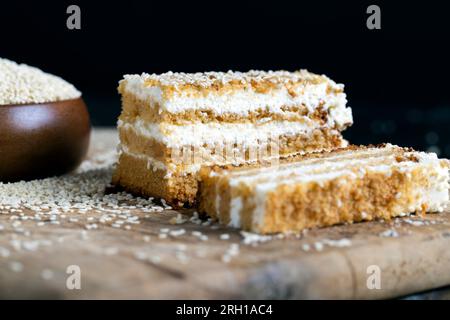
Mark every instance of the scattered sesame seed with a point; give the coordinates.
(224, 236)
(84, 235)
(91, 226)
(16, 266)
(179, 219)
(176, 233)
(167, 207)
(344, 242)
(81, 192)
(200, 253)
(182, 257)
(47, 274)
(232, 251)
(318, 246)
(111, 251)
(4, 253)
(306, 247)
(196, 233)
(30, 245)
(140, 255)
(254, 238)
(155, 259)
(389, 233)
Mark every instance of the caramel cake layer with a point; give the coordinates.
(141, 176)
(153, 162)
(134, 108)
(224, 144)
(178, 123)
(322, 189)
(234, 97)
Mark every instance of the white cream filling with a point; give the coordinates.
(308, 166)
(243, 134)
(241, 102)
(435, 195)
(236, 206)
(152, 163)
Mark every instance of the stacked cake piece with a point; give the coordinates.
(326, 188)
(263, 151)
(175, 123)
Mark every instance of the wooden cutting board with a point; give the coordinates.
(208, 261)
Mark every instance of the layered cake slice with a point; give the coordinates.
(175, 123)
(326, 188)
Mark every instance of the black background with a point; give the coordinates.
(396, 78)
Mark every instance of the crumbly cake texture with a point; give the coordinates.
(22, 84)
(322, 189)
(221, 95)
(175, 123)
(177, 183)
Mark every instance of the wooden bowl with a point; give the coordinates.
(42, 140)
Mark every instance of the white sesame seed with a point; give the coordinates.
(91, 226)
(389, 233)
(155, 259)
(182, 257)
(196, 233)
(4, 253)
(318, 246)
(176, 233)
(16, 266)
(140, 255)
(306, 247)
(226, 258)
(47, 274)
(111, 251)
(179, 219)
(21, 84)
(30, 245)
(224, 236)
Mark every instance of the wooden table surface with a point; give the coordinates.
(158, 255)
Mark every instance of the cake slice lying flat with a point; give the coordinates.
(175, 123)
(326, 188)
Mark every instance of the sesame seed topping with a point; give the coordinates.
(214, 79)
